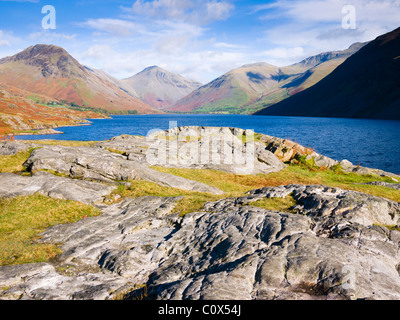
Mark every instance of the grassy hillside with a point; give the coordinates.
(22, 115)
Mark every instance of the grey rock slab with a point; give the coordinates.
(239, 252)
(102, 256)
(45, 183)
(336, 247)
(43, 281)
(95, 163)
(395, 186)
(8, 148)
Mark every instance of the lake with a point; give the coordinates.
(370, 143)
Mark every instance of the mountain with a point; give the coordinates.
(160, 88)
(252, 86)
(230, 91)
(50, 70)
(313, 61)
(366, 85)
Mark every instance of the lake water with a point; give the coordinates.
(370, 143)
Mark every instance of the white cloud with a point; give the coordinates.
(116, 27)
(316, 25)
(194, 11)
(226, 45)
(284, 52)
(3, 42)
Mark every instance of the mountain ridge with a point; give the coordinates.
(247, 88)
(50, 70)
(366, 85)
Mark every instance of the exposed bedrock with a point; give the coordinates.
(337, 246)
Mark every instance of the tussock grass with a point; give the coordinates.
(64, 143)
(276, 204)
(23, 218)
(235, 185)
(14, 163)
(192, 201)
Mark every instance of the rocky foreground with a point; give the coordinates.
(334, 244)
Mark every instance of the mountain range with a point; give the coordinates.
(366, 85)
(51, 71)
(361, 81)
(252, 86)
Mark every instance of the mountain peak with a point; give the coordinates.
(51, 71)
(52, 60)
(257, 64)
(159, 87)
(40, 51)
(152, 67)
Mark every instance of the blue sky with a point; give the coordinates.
(200, 39)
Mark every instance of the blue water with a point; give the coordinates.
(370, 143)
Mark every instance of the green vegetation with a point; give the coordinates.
(267, 100)
(277, 204)
(23, 218)
(237, 97)
(64, 143)
(13, 163)
(235, 185)
(121, 112)
(65, 104)
(191, 201)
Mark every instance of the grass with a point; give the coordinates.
(191, 202)
(276, 204)
(13, 163)
(64, 143)
(235, 185)
(23, 218)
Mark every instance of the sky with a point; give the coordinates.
(200, 39)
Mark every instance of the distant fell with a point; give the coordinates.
(50, 70)
(253, 86)
(366, 85)
(160, 88)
